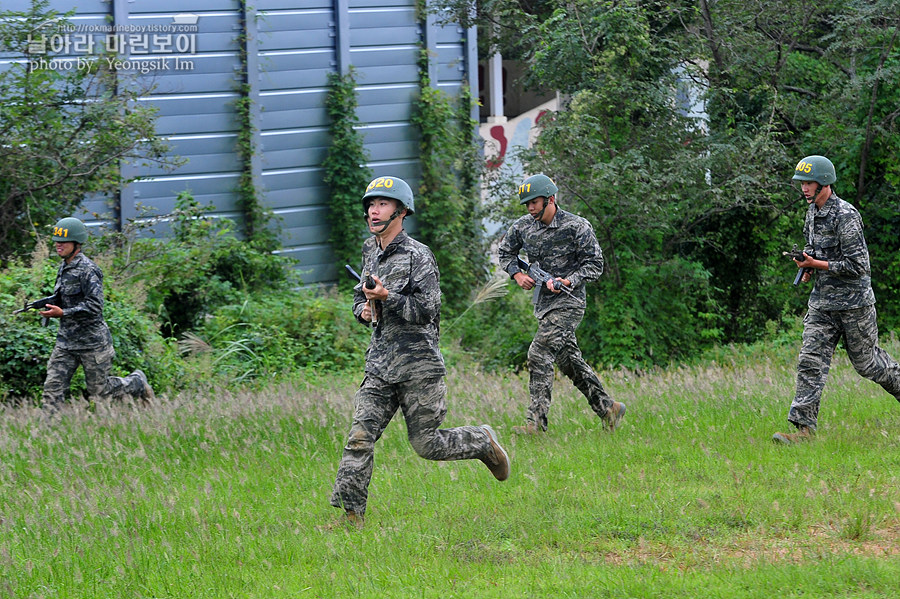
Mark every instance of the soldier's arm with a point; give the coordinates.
(589, 255)
(508, 252)
(359, 302)
(420, 300)
(854, 262)
(807, 233)
(92, 289)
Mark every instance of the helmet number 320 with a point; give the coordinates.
(385, 182)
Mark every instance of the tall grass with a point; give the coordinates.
(225, 494)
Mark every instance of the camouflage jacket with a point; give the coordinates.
(566, 248)
(79, 287)
(404, 345)
(835, 233)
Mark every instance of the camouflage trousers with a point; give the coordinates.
(821, 332)
(97, 364)
(424, 407)
(555, 342)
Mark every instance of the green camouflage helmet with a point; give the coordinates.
(70, 229)
(390, 187)
(815, 168)
(536, 186)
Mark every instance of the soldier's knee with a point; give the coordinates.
(422, 444)
(361, 441)
(538, 356)
(868, 369)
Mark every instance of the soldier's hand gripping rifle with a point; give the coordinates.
(797, 254)
(40, 304)
(370, 284)
(541, 276)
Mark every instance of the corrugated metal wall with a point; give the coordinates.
(292, 47)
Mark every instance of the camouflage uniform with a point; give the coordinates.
(404, 369)
(83, 338)
(841, 304)
(566, 248)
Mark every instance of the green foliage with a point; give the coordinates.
(497, 334)
(217, 493)
(235, 308)
(63, 133)
(661, 314)
(677, 139)
(258, 220)
(277, 334)
(204, 266)
(448, 200)
(345, 172)
(25, 346)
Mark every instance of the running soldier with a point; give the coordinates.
(841, 304)
(404, 366)
(83, 337)
(562, 244)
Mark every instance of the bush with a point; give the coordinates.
(498, 332)
(266, 337)
(25, 347)
(201, 268)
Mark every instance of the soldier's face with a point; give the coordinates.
(64, 249)
(809, 189)
(535, 205)
(379, 211)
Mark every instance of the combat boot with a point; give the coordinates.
(804, 433)
(614, 416)
(146, 391)
(354, 519)
(497, 460)
(349, 519)
(530, 428)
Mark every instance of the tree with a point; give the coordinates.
(65, 128)
(701, 205)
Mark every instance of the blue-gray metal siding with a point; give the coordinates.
(293, 45)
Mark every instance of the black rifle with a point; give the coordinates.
(370, 284)
(40, 304)
(797, 254)
(541, 276)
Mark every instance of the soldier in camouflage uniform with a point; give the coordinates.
(404, 367)
(841, 304)
(562, 244)
(83, 336)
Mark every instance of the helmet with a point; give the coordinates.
(70, 229)
(536, 186)
(390, 187)
(815, 168)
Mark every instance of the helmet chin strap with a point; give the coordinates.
(386, 224)
(540, 214)
(75, 248)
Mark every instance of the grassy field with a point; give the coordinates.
(226, 495)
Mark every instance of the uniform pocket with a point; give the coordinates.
(827, 247)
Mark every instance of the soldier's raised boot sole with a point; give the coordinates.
(497, 460)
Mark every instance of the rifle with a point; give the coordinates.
(40, 304)
(540, 275)
(797, 254)
(370, 284)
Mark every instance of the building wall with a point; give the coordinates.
(292, 46)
